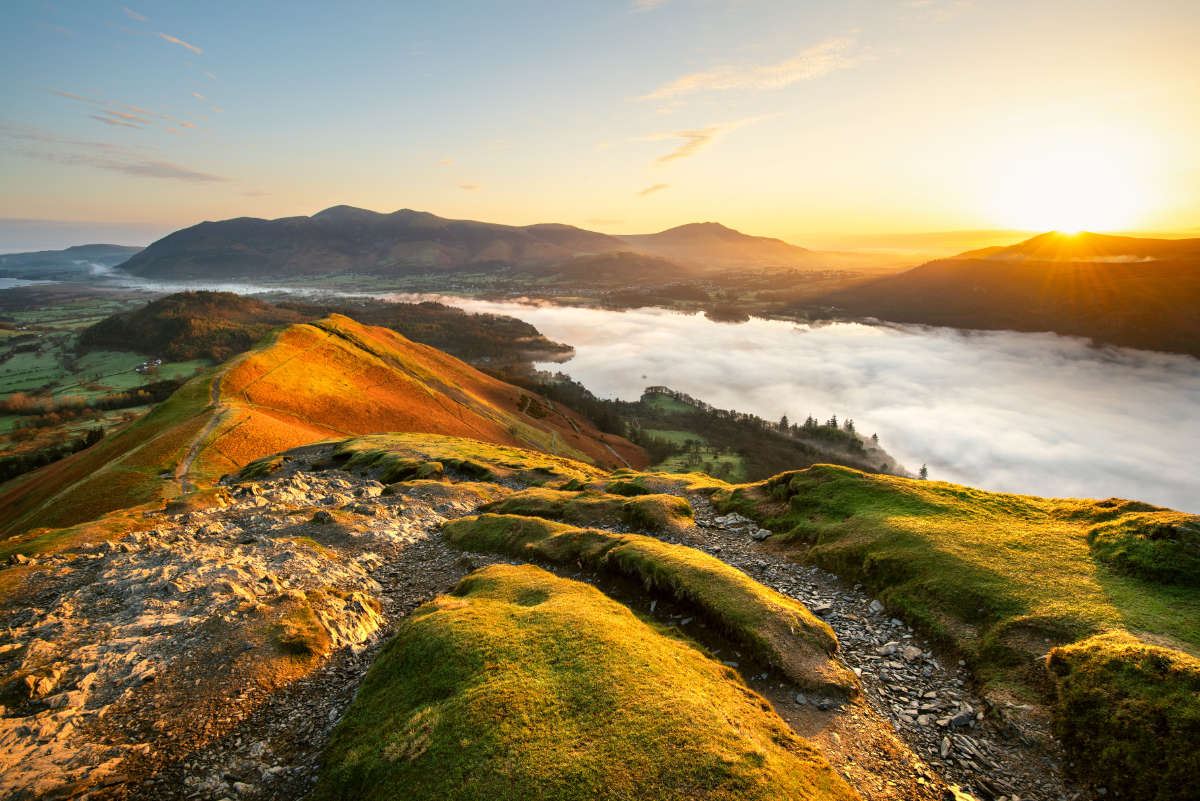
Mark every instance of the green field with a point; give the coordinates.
(728, 466)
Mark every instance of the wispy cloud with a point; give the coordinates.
(210, 76)
(695, 140)
(198, 95)
(648, 5)
(109, 121)
(650, 190)
(126, 116)
(178, 41)
(74, 97)
(134, 15)
(55, 28)
(446, 163)
(186, 124)
(820, 59)
(174, 131)
(469, 187)
(140, 162)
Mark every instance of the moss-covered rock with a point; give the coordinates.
(521, 685)
(780, 630)
(1128, 714)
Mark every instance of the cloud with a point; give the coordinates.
(141, 162)
(648, 5)
(210, 75)
(74, 97)
(178, 41)
(174, 131)
(55, 29)
(1030, 413)
(144, 168)
(818, 60)
(108, 121)
(186, 124)
(198, 95)
(469, 187)
(650, 190)
(134, 15)
(446, 163)
(695, 140)
(126, 116)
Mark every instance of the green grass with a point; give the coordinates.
(780, 631)
(665, 403)
(1002, 578)
(650, 512)
(675, 436)
(396, 457)
(521, 685)
(1129, 715)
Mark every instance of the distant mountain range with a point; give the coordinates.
(344, 239)
(1129, 291)
(73, 262)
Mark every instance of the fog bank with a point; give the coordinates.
(1031, 413)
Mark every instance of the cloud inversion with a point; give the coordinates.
(820, 59)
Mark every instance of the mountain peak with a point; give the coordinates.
(344, 213)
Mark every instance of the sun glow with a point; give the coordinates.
(1070, 186)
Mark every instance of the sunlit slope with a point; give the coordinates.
(330, 379)
(1110, 590)
(1001, 577)
(1139, 293)
(523, 685)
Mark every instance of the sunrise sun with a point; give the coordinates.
(1069, 187)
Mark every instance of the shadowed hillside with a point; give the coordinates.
(344, 239)
(1139, 293)
(713, 245)
(332, 378)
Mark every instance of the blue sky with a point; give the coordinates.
(797, 119)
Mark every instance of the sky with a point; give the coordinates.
(817, 122)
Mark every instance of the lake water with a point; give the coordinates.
(1029, 413)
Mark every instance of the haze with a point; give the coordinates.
(814, 122)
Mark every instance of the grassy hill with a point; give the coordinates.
(1138, 293)
(329, 379)
(523, 685)
(1105, 593)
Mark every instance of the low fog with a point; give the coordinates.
(1031, 413)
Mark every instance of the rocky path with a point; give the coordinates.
(140, 656)
(1005, 756)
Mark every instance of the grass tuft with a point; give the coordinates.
(780, 631)
(523, 685)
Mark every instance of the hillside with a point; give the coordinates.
(1139, 293)
(310, 382)
(566, 632)
(343, 239)
(217, 325)
(712, 245)
(79, 261)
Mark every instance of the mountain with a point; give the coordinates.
(71, 263)
(1139, 293)
(714, 246)
(344, 239)
(309, 382)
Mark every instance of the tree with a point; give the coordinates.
(833, 423)
(924, 474)
(875, 439)
(849, 424)
(783, 424)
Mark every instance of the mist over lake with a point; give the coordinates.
(1032, 413)
(1040, 414)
